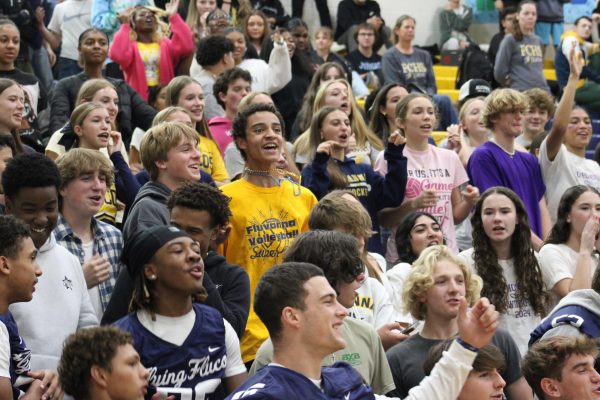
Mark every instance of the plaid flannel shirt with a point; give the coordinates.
(108, 242)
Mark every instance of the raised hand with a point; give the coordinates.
(171, 7)
(470, 194)
(114, 144)
(427, 198)
(455, 132)
(397, 139)
(477, 325)
(327, 147)
(589, 234)
(576, 61)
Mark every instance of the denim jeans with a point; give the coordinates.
(42, 68)
(67, 67)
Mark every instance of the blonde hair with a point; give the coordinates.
(325, 30)
(462, 113)
(360, 129)
(502, 101)
(399, 23)
(159, 139)
(77, 162)
(247, 100)
(162, 28)
(420, 279)
(164, 114)
(90, 87)
(81, 112)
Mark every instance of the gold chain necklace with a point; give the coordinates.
(278, 175)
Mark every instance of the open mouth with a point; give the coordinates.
(195, 167)
(498, 229)
(271, 146)
(453, 302)
(196, 272)
(37, 230)
(96, 199)
(433, 243)
(426, 126)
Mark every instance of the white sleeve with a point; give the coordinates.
(383, 313)
(136, 138)
(56, 21)
(4, 352)
(235, 365)
(554, 264)
(280, 68)
(567, 44)
(447, 377)
(397, 275)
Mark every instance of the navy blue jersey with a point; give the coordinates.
(192, 371)
(20, 355)
(339, 382)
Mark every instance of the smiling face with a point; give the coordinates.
(499, 218)
(420, 119)
(94, 47)
(239, 45)
(322, 317)
(94, 131)
(84, 195)
(579, 130)
(579, 380)
(10, 43)
(256, 28)
(108, 99)
(127, 378)
(443, 298)
(290, 43)
(473, 124)
(337, 96)
(12, 104)
(535, 120)
(38, 208)
(24, 271)
(483, 385)
(425, 232)
(585, 207)
(182, 163)
(336, 127)
(264, 138)
(178, 268)
(191, 98)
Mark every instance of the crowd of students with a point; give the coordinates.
(205, 185)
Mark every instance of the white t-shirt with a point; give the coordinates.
(88, 253)
(397, 275)
(558, 262)
(520, 319)
(136, 138)
(162, 327)
(566, 170)
(4, 352)
(70, 18)
(372, 304)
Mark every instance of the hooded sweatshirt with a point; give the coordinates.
(60, 306)
(576, 314)
(148, 209)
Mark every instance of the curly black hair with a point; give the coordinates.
(12, 233)
(530, 286)
(84, 349)
(405, 251)
(31, 170)
(221, 85)
(211, 49)
(240, 121)
(336, 253)
(202, 197)
(561, 230)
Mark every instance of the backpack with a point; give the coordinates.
(474, 65)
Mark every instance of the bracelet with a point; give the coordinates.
(466, 345)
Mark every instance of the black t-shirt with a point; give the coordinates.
(363, 65)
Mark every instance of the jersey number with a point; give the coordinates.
(199, 392)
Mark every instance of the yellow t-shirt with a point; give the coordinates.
(211, 160)
(108, 211)
(265, 221)
(150, 54)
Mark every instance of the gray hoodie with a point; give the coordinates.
(148, 209)
(586, 298)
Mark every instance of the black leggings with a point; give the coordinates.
(298, 5)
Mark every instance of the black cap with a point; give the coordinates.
(142, 246)
(474, 88)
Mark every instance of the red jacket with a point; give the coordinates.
(124, 51)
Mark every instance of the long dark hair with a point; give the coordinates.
(562, 228)
(530, 286)
(518, 32)
(377, 121)
(405, 251)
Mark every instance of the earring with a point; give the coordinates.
(152, 277)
